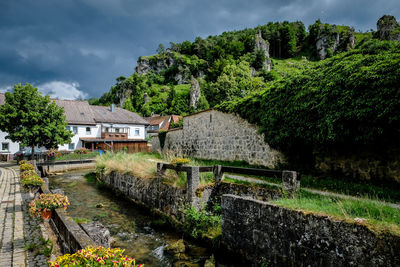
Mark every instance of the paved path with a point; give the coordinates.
(11, 220)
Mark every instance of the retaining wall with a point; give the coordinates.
(267, 234)
(216, 135)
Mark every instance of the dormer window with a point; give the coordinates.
(82, 113)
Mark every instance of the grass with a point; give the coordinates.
(378, 216)
(72, 184)
(79, 220)
(231, 180)
(142, 165)
(74, 156)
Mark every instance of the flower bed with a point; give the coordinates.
(31, 180)
(95, 256)
(26, 167)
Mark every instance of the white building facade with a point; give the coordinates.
(94, 127)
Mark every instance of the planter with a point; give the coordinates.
(46, 215)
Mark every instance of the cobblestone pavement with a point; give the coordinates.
(12, 251)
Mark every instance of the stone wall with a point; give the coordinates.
(149, 192)
(216, 135)
(267, 234)
(170, 201)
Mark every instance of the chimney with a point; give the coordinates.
(112, 107)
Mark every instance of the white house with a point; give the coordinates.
(95, 127)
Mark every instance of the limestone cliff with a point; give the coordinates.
(168, 61)
(388, 28)
(332, 39)
(261, 44)
(195, 93)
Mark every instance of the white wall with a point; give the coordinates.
(132, 128)
(12, 147)
(81, 133)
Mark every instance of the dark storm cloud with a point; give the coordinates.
(91, 42)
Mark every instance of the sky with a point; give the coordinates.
(75, 49)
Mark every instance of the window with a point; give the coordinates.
(117, 130)
(68, 128)
(71, 146)
(4, 146)
(75, 129)
(137, 132)
(88, 130)
(107, 130)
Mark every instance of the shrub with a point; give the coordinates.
(48, 202)
(26, 167)
(32, 180)
(199, 222)
(95, 256)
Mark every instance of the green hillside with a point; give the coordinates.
(227, 66)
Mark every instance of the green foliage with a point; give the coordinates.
(350, 99)
(32, 119)
(200, 222)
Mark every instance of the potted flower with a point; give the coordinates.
(95, 256)
(53, 153)
(46, 203)
(31, 181)
(26, 167)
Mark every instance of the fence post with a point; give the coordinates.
(290, 182)
(193, 182)
(218, 174)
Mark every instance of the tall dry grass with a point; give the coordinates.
(142, 165)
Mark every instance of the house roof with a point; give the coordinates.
(80, 112)
(156, 120)
(77, 112)
(104, 114)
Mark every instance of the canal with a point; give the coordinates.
(143, 236)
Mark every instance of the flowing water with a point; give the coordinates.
(132, 228)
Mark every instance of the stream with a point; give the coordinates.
(132, 228)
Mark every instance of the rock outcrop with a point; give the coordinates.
(261, 44)
(195, 93)
(330, 41)
(163, 62)
(388, 28)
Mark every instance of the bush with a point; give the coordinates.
(200, 222)
(95, 256)
(26, 167)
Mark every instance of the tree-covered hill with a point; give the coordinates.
(227, 66)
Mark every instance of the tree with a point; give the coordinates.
(32, 119)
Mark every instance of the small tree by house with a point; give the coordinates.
(32, 119)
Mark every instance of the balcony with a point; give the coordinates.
(114, 136)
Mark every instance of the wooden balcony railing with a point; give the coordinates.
(114, 136)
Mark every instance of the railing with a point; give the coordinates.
(290, 179)
(114, 136)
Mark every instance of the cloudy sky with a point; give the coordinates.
(76, 48)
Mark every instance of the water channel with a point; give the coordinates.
(132, 228)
